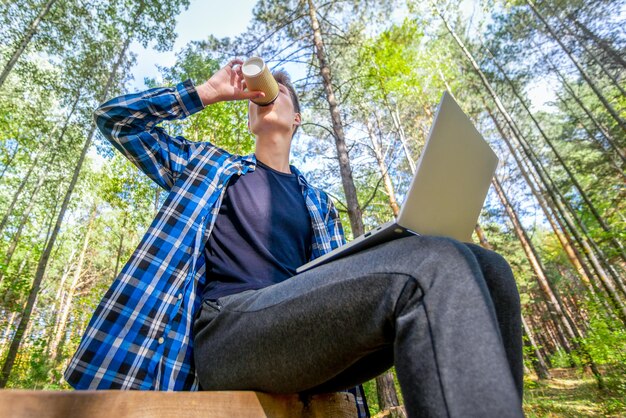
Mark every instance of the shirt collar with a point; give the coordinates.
(300, 177)
(250, 161)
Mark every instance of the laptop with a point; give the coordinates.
(448, 189)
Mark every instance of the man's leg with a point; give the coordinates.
(505, 297)
(423, 299)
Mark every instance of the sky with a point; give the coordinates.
(201, 19)
(230, 18)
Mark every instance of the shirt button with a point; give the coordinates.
(180, 296)
(161, 340)
(239, 172)
(219, 186)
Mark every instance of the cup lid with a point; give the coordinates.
(253, 66)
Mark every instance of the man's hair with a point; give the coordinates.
(283, 78)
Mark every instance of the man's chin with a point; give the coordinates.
(269, 127)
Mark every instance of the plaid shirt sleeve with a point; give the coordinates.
(129, 122)
(333, 225)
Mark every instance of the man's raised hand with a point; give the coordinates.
(227, 84)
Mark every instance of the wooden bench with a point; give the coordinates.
(149, 404)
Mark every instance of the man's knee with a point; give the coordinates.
(426, 257)
(450, 253)
(418, 247)
(498, 276)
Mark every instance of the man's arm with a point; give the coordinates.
(130, 122)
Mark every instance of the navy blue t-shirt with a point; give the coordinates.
(261, 235)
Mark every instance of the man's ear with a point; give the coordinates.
(297, 120)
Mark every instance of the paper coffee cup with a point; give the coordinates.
(259, 78)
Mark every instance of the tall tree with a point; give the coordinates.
(33, 27)
(354, 210)
(582, 71)
(56, 345)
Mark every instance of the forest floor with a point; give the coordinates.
(572, 394)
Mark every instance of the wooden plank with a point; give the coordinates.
(151, 404)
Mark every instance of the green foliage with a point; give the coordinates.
(606, 338)
(223, 124)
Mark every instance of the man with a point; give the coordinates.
(208, 301)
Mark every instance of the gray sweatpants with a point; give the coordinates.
(446, 314)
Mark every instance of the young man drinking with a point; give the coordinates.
(210, 299)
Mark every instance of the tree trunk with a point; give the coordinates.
(482, 238)
(9, 327)
(6, 165)
(60, 300)
(604, 45)
(445, 81)
(538, 362)
(605, 133)
(542, 339)
(397, 123)
(599, 146)
(56, 347)
(529, 152)
(548, 337)
(120, 246)
(555, 309)
(598, 62)
(544, 284)
(546, 179)
(577, 309)
(41, 267)
(582, 71)
(573, 221)
(384, 170)
(28, 36)
(18, 194)
(157, 196)
(532, 158)
(16, 237)
(387, 396)
(354, 210)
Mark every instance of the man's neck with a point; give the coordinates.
(273, 151)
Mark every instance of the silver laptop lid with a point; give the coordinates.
(452, 178)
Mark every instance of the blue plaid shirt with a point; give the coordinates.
(139, 336)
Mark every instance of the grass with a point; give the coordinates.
(572, 394)
(569, 394)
